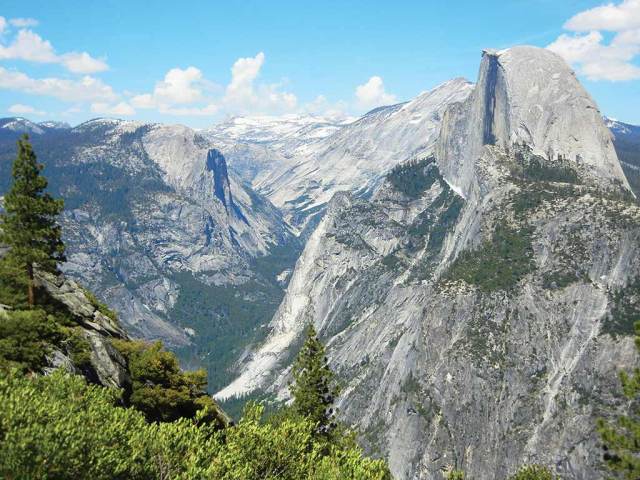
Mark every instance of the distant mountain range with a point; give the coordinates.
(470, 257)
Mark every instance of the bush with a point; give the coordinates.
(60, 427)
(161, 390)
(26, 337)
(533, 472)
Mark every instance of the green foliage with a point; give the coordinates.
(625, 310)
(414, 178)
(455, 475)
(14, 283)
(621, 438)
(57, 427)
(498, 264)
(161, 390)
(533, 168)
(313, 389)
(28, 225)
(76, 346)
(26, 337)
(533, 472)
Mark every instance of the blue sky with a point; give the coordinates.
(199, 62)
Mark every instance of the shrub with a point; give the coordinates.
(161, 390)
(533, 472)
(59, 427)
(26, 337)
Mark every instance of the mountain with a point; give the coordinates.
(299, 172)
(162, 231)
(626, 139)
(477, 306)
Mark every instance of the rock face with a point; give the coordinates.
(162, 232)
(108, 367)
(529, 96)
(302, 173)
(477, 306)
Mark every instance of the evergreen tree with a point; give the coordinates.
(313, 390)
(28, 225)
(621, 439)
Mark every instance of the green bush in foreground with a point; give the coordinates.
(25, 339)
(59, 427)
(161, 390)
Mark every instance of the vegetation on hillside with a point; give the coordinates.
(28, 224)
(621, 438)
(60, 427)
(164, 425)
(499, 263)
(313, 389)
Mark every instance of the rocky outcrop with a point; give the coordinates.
(108, 366)
(528, 96)
(477, 307)
(222, 188)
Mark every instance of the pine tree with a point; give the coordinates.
(621, 439)
(313, 389)
(28, 225)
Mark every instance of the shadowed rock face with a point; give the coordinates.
(221, 186)
(474, 307)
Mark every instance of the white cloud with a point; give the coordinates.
(83, 63)
(179, 87)
(186, 92)
(119, 109)
(207, 110)
(610, 17)
(244, 96)
(3, 24)
(372, 94)
(20, 109)
(31, 47)
(86, 88)
(589, 52)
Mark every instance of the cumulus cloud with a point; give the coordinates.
(244, 95)
(186, 92)
(372, 94)
(118, 109)
(587, 49)
(86, 88)
(31, 47)
(179, 87)
(83, 63)
(3, 24)
(20, 109)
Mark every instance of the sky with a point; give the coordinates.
(200, 62)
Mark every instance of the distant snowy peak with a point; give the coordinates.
(621, 129)
(55, 125)
(275, 129)
(21, 125)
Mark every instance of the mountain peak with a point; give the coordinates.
(530, 96)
